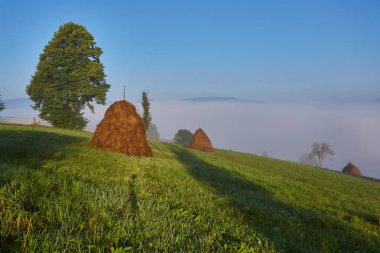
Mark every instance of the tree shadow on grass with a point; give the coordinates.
(26, 151)
(290, 228)
(32, 148)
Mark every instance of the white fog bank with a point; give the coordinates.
(283, 130)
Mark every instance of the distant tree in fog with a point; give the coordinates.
(320, 150)
(265, 154)
(2, 106)
(183, 137)
(304, 159)
(153, 133)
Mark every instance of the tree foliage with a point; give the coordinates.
(320, 150)
(68, 77)
(2, 106)
(147, 118)
(183, 137)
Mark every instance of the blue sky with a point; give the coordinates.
(259, 50)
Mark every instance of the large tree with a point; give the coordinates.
(69, 77)
(2, 106)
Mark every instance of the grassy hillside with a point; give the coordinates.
(59, 194)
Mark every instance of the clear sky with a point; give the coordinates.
(259, 50)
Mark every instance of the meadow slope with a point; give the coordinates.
(57, 194)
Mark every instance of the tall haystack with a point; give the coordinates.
(201, 141)
(352, 169)
(122, 130)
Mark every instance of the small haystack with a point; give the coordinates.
(201, 141)
(352, 169)
(122, 130)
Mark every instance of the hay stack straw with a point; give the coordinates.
(122, 130)
(352, 169)
(201, 141)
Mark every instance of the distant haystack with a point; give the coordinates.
(122, 130)
(201, 141)
(352, 169)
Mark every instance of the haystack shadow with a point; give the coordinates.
(260, 209)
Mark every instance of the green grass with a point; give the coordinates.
(57, 194)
